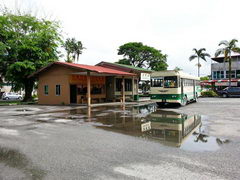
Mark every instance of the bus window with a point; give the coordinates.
(170, 82)
(157, 82)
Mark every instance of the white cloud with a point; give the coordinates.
(175, 27)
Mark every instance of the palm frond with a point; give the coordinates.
(224, 42)
(204, 55)
(233, 42)
(236, 50)
(195, 50)
(192, 57)
(219, 51)
(201, 50)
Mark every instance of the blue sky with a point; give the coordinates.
(173, 26)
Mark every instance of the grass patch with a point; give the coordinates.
(8, 103)
(209, 93)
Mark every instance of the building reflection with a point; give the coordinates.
(170, 128)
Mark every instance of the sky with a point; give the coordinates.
(173, 26)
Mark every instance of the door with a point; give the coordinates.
(182, 84)
(73, 93)
(194, 89)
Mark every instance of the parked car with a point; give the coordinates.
(11, 96)
(230, 92)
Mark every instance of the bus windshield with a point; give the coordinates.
(170, 82)
(157, 82)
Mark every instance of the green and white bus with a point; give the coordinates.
(174, 87)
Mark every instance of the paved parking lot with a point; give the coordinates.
(61, 142)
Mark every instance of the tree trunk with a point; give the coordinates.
(198, 68)
(28, 88)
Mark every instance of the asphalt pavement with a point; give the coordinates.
(62, 142)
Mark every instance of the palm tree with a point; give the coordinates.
(73, 48)
(229, 47)
(199, 54)
(78, 47)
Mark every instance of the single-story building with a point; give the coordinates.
(70, 83)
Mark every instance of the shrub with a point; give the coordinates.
(209, 93)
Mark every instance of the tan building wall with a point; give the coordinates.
(55, 75)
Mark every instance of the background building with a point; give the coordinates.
(219, 68)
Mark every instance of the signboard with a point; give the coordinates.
(225, 83)
(145, 77)
(146, 126)
(81, 79)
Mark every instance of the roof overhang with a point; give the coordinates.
(122, 67)
(95, 70)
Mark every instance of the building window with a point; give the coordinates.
(233, 74)
(46, 89)
(58, 90)
(237, 73)
(128, 85)
(118, 84)
(218, 74)
(214, 74)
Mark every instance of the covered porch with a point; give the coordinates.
(92, 87)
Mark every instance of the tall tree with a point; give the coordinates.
(73, 48)
(139, 55)
(26, 45)
(226, 50)
(199, 54)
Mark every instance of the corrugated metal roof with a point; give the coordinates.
(97, 69)
(127, 66)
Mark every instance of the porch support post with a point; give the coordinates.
(123, 90)
(133, 88)
(88, 89)
(137, 85)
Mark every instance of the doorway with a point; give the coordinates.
(73, 93)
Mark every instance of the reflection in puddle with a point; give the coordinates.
(167, 127)
(15, 159)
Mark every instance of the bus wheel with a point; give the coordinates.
(184, 101)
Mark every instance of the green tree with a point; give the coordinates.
(205, 78)
(199, 54)
(177, 69)
(26, 45)
(139, 55)
(73, 48)
(229, 47)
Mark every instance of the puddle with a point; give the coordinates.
(15, 159)
(166, 127)
(24, 110)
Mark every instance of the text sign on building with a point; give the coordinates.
(145, 77)
(225, 84)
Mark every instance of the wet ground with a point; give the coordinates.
(198, 141)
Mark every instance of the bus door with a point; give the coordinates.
(194, 89)
(182, 84)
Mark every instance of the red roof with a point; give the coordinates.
(97, 69)
(220, 80)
